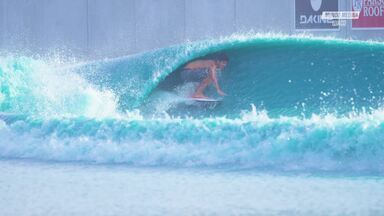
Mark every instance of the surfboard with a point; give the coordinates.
(206, 99)
(205, 103)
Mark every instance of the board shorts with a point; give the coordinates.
(194, 75)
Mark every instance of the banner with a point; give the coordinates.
(371, 13)
(308, 14)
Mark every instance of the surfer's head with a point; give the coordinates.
(221, 60)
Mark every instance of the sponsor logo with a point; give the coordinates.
(308, 14)
(313, 19)
(371, 13)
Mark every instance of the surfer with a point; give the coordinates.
(204, 71)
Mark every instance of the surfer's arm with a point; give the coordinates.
(213, 75)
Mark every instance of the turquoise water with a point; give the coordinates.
(294, 103)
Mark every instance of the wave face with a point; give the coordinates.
(284, 75)
(319, 107)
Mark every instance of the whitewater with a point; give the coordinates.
(303, 119)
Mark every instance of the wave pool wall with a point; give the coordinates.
(98, 28)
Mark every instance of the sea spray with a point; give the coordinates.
(39, 88)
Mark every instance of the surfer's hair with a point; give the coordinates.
(217, 57)
(222, 57)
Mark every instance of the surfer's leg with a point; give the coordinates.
(199, 93)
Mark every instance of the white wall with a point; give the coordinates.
(99, 28)
(159, 23)
(111, 27)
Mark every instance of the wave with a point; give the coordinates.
(321, 143)
(284, 75)
(320, 101)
